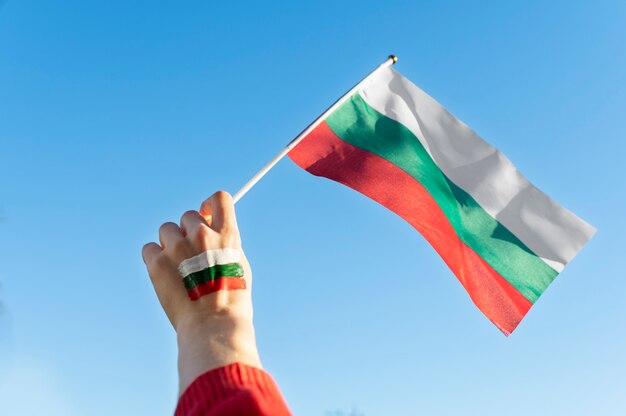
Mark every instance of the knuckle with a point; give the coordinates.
(159, 262)
(231, 240)
(165, 225)
(145, 248)
(189, 213)
(226, 229)
(222, 196)
(209, 240)
(198, 234)
(179, 246)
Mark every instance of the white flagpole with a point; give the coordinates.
(390, 61)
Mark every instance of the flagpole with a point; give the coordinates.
(392, 59)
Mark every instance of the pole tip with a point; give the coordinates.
(394, 58)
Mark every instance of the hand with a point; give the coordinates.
(216, 329)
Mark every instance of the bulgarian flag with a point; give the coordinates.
(503, 238)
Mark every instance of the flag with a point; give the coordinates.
(503, 238)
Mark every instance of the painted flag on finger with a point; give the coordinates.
(503, 238)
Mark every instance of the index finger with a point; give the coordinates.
(221, 209)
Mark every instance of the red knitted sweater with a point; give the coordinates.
(232, 390)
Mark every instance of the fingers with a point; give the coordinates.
(150, 251)
(166, 280)
(174, 242)
(169, 234)
(191, 221)
(217, 213)
(214, 227)
(219, 209)
(163, 274)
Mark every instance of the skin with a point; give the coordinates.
(217, 329)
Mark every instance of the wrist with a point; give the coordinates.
(206, 343)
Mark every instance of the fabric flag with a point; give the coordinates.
(504, 239)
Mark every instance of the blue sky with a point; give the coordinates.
(117, 116)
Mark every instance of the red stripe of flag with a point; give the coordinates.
(322, 153)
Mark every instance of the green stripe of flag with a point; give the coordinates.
(360, 125)
(213, 273)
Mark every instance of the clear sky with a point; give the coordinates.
(116, 116)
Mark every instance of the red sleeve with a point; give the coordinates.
(235, 389)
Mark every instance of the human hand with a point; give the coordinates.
(215, 329)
